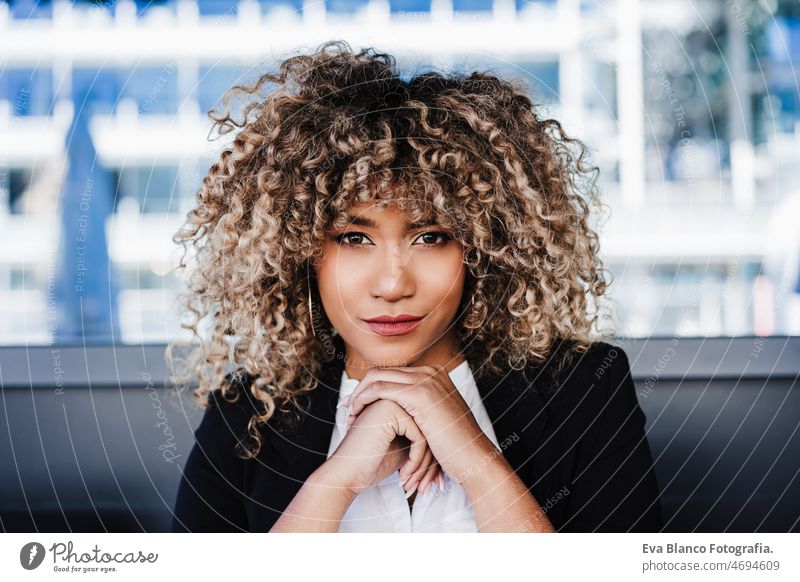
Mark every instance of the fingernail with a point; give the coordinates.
(411, 491)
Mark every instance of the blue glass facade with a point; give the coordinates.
(148, 108)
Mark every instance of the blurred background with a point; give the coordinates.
(691, 109)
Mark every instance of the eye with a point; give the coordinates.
(441, 235)
(343, 238)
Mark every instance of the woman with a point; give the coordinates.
(399, 274)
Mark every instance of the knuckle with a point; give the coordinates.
(385, 405)
(399, 410)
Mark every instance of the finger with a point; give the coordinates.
(398, 393)
(351, 417)
(416, 454)
(417, 475)
(438, 479)
(429, 476)
(395, 375)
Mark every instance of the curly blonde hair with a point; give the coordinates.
(342, 128)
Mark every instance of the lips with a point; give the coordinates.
(393, 325)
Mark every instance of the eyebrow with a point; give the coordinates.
(369, 223)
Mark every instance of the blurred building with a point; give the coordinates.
(691, 110)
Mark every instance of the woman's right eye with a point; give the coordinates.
(348, 237)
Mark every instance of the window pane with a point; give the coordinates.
(696, 141)
(29, 91)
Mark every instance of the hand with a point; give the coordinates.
(382, 440)
(428, 395)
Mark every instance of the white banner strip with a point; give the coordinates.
(400, 557)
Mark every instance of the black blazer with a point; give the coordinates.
(578, 442)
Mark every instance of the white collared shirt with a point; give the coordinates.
(384, 507)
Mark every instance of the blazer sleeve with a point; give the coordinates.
(615, 488)
(210, 497)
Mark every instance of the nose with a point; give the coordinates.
(393, 278)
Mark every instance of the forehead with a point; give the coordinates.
(377, 212)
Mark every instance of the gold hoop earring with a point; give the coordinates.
(471, 303)
(311, 312)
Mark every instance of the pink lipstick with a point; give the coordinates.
(394, 324)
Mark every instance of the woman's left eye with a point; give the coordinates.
(443, 236)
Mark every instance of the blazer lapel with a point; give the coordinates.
(518, 415)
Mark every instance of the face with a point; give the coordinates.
(379, 265)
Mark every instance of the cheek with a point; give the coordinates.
(338, 277)
(445, 279)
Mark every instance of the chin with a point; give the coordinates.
(388, 357)
(390, 361)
